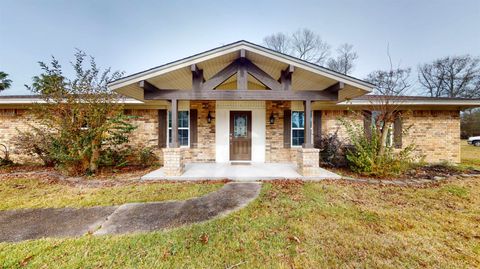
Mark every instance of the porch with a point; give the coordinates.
(240, 171)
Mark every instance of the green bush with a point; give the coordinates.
(146, 157)
(122, 156)
(363, 155)
(115, 157)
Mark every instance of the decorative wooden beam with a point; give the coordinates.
(221, 76)
(262, 76)
(242, 76)
(286, 78)
(242, 53)
(164, 94)
(335, 88)
(197, 78)
(147, 86)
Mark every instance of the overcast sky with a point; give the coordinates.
(135, 35)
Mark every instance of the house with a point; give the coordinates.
(245, 103)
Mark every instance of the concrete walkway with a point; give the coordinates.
(18, 225)
(240, 172)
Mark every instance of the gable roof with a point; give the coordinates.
(319, 75)
(241, 44)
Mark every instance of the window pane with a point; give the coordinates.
(183, 137)
(298, 137)
(170, 119)
(298, 119)
(169, 135)
(183, 119)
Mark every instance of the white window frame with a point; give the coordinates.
(169, 113)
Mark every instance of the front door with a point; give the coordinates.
(240, 135)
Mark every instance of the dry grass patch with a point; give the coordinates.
(34, 193)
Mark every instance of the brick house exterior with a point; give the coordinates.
(245, 103)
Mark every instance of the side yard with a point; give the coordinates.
(470, 154)
(290, 225)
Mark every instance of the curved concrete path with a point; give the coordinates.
(18, 225)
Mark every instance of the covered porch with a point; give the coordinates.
(240, 171)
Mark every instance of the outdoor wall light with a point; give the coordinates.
(209, 117)
(272, 119)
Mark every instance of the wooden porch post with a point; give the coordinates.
(174, 112)
(308, 122)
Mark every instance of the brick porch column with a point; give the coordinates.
(308, 161)
(173, 164)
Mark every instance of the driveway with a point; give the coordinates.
(18, 225)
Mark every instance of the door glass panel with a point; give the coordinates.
(240, 126)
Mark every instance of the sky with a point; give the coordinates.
(132, 36)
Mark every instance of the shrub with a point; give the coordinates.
(122, 156)
(364, 157)
(146, 157)
(5, 160)
(332, 150)
(83, 116)
(115, 157)
(38, 142)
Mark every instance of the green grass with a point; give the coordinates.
(470, 154)
(312, 225)
(30, 193)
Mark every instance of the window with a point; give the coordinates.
(298, 128)
(183, 128)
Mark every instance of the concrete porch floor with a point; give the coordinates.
(247, 172)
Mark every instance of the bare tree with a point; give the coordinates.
(451, 76)
(390, 86)
(345, 60)
(279, 42)
(470, 123)
(309, 46)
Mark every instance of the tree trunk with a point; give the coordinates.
(383, 138)
(95, 155)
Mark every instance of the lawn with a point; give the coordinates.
(29, 193)
(290, 225)
(470, 154)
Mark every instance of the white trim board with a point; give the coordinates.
(222, 129)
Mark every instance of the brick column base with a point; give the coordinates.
(308, 161)
(173, 161)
